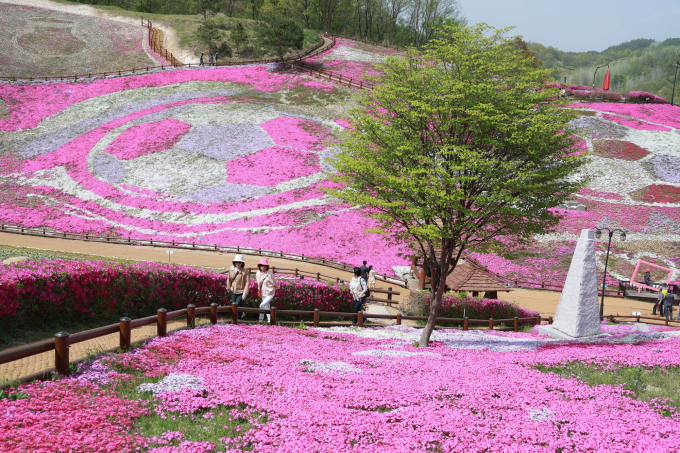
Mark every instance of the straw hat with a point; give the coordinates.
(239, 259)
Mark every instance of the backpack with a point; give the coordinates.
(368, 291)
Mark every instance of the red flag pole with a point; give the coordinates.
(605, 84)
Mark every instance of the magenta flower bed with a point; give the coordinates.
(324, 391)
(38, 291)
(458, 307)
(34, 291)
(635, 124)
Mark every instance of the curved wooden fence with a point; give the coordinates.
(62, 340)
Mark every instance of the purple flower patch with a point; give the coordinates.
(664, 168)
(225, 141)
(108, 167)
(592, 127)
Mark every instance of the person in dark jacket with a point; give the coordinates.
(648, 278)
(668, 305)
(364, 271)
(200, 60)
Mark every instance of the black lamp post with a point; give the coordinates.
(603, 66)
(677, 65)
(598, 235)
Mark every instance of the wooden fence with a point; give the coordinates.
(43, 232)
(156, 44)
(62, 340)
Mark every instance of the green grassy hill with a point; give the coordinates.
(637, 65)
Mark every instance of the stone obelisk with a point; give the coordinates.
(578, 314)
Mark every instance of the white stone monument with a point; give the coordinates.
(578, 314)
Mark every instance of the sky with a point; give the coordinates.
(579, 25)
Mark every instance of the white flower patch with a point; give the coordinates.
(173, 382)
(393, 354)
(351, 54)
(616, 175)
(656, 142)
(540, 415)
(331, 367)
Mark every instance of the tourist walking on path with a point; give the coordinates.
(668, 305)
(659, 303)
(358, 288)
(210, 61)
(364, 271)
(215, 59)
(200, 60)
(266, 286)
(238, 282)
(371, 277)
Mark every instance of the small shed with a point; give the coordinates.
(471, 278)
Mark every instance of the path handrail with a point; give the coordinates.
(60, 344)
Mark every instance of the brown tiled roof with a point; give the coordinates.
(468, 277)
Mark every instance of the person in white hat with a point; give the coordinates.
(238, 281)
(266, 285)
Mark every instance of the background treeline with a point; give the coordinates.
(394, 22)
(637, 65)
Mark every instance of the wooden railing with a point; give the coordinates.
(330, 75)
(62, 340)
(156, 44)
(364, 42)
(43, 232)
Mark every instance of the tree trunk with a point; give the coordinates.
(435, 303)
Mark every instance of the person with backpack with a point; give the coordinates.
(238, 282)
(266, 286)
(359, 289)
(659, 303)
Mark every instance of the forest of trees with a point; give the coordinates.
(637, 65)
(394, 22)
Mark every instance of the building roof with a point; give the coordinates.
(468, 277)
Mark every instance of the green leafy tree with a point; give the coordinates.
(206, 7)
(278, 35)
(457, 148)
(239, 37)
(210, 35)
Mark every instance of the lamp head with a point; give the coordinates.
(598, 233)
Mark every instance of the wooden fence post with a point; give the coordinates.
(550, 320)
(272, 314)
(360, 319)
(191, 316)
(318, 277)
(490, 323)
(213, 313)
(316, 317)
(538, 320)
(162, 327)
(125, 334)
(61, 359)
(398, 319)
(465, 323)
(516, 324)
(234, 313)
(389, 296)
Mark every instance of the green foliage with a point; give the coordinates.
(209, 34)
(645, 383)
(206, 7)
(239, 37)
(13, 396)
(278, 35)
(458, 146)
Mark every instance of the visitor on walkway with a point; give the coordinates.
(200, 60)
(364, 271)
(659, 301)
(668, 305)
(210, 61)
(215, 59)
(371, 277)
(238, 282)
(358, 288)
(266, 286)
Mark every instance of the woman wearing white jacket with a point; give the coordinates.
(266, 285)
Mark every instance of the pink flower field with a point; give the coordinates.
(275, 389)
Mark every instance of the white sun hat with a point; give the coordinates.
(239, 258)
